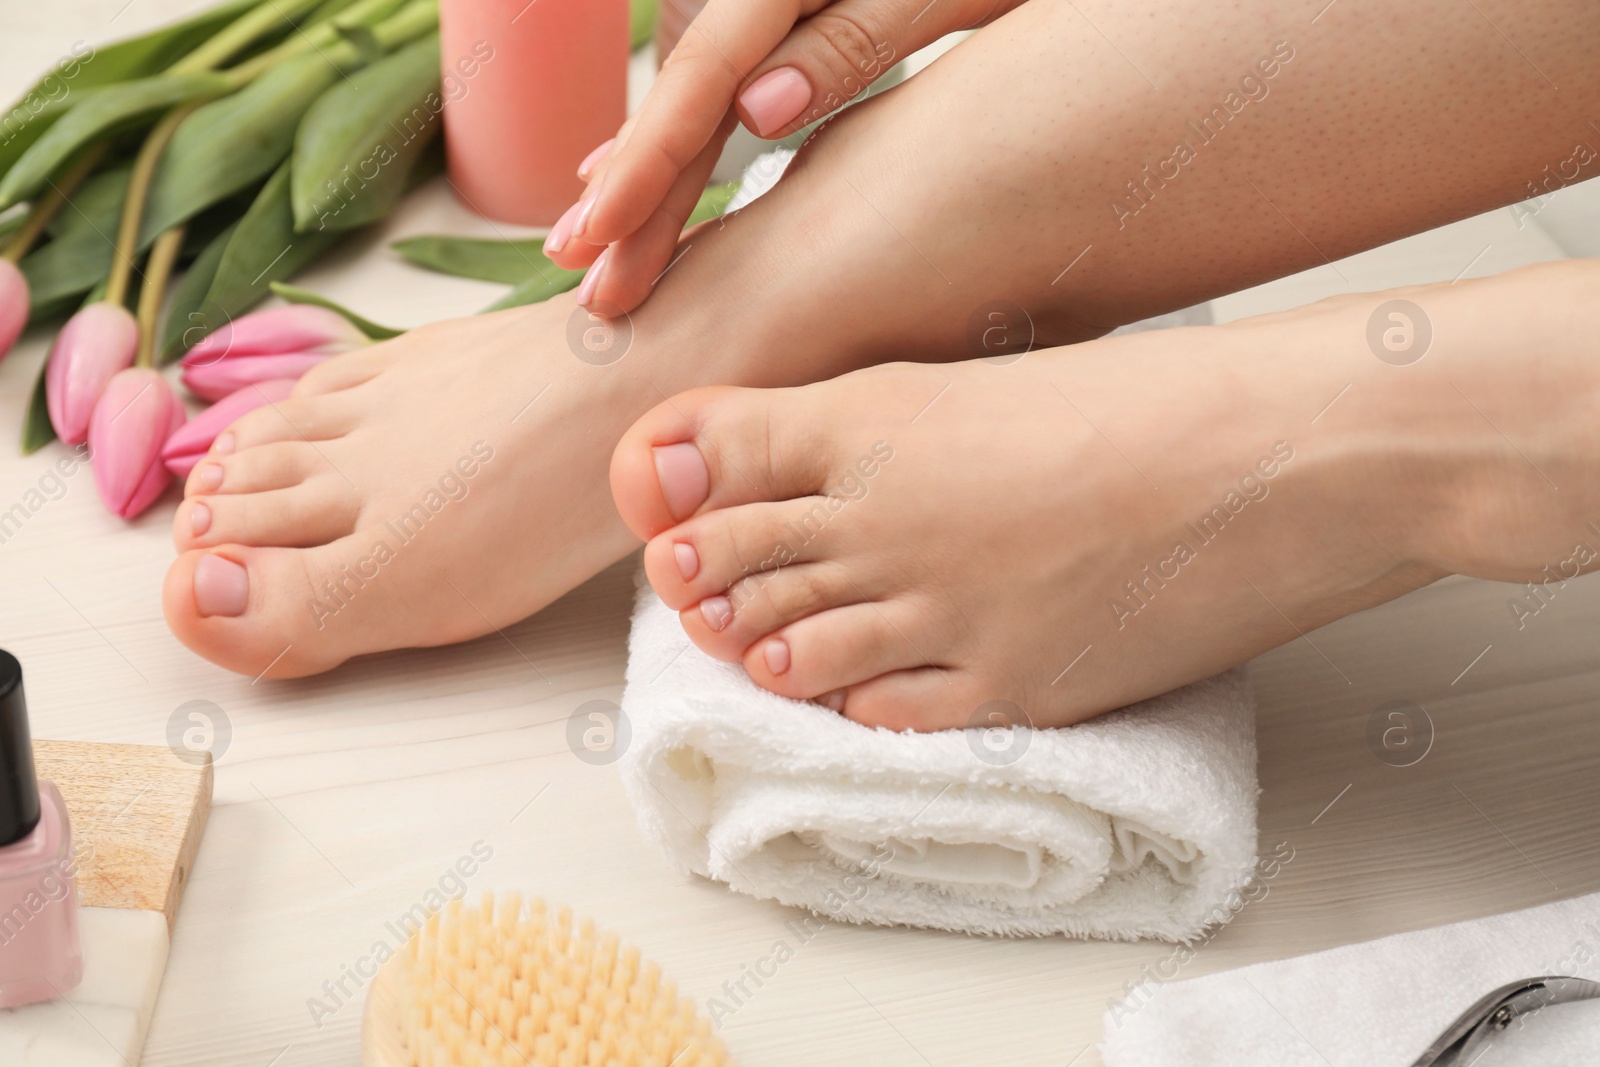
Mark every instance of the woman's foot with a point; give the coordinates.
(1089, 527)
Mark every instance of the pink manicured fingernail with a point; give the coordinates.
(593, 159)
(591, 280)
(685, 481)
(223, 443)
(585, 209)
(221, 587)
(833, 701)
(210, 477)
(561, 232)
(688, 560)
(776, 99)
(717, 612)
(776, 653)
(199, 520)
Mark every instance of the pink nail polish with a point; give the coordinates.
(717, 612)
(688, 560)
(592, 160)
(585, 209)
(210, 477)
(221, 587)
(776, 99)
(561, 232)
(41, 957)
(199, 520)
(776, 653)
(591, 280)
(223, 443)
(685, 481)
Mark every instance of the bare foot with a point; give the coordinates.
(1089, 527)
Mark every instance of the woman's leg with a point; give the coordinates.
(993, 175)
(1088, 527)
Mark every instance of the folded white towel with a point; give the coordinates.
(1375, 1004)
(1140, 823)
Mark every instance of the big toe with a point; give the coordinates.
(713, 448)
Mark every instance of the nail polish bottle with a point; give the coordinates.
(530, 88)
(40, 957)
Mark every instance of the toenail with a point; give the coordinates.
(199, 520)
(776, 653)
(833, 701)
(717, 612)
(688, 560)
(685, 481)
(210, 477)
(223, 443)
(221, 587)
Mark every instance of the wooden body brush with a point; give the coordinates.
(503, 985)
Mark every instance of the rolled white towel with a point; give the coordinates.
(1140, 823)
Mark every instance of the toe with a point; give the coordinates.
(275, 466)
(314, 512)
(299, 418)
(344, 371)
(714, 448)
(726, 624)
(925, 699)
(708, 554)
(832, 650)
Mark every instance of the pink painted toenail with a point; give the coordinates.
(833, 701)
(688, 560)
(210, 477)
(776, 653)
(199, 520)
(224, 443)
(221, 587)
(685, 481)
(717, 612)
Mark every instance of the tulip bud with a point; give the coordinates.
(95, 344)
(282, 342)
(13, 304)
(192, 440)
(136, 415)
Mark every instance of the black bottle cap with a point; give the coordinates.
(19, 787)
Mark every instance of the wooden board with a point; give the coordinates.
(137, 815)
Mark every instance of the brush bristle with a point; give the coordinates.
(508, 985)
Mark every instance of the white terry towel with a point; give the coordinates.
(1374, 1004)
(1140, 823)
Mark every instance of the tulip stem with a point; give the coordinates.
(321, 36)
(241, 32)
(47, 206)
(144, 169)
(163, 254)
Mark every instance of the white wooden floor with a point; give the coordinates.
(343, 799)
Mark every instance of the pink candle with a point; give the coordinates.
(530, 88)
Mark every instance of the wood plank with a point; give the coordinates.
(138, 813)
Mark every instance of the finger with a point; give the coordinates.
(681, 112)
(635, 263)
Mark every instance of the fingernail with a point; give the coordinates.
(688, 560)
(221, 587)
(776, 653)
(561, 232)
(591, 280)
(210, 477)
(223, 443)
(585, 209)
(593, 159)
(685, 481)
(776, 99)
(717, 612)
(199, 520)
(833, 701)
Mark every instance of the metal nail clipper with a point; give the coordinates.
(1499, 1010)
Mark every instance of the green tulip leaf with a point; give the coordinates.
(537, 290)
(36, 429)
(81, 250)
(295, 295)
(642, 22)
(97, 113)
(357, 145)
(487, 259)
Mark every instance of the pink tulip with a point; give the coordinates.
(13, 304)
(282, 342)
(95, 344)
(193, 439)
(136, 415)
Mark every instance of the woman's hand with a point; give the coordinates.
(776, 66)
